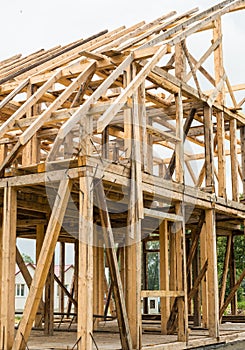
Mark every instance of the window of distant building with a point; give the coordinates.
(19, 290)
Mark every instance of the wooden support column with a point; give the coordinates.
(75, 279)
(85, 265)
(242, 138)
(144, 275)
(181, 282)
(127, 118)
(133, 241)
(39, 243)
(196, 300)
(219, 73)
(225, 270)
(43, 265)
(98, 282)
(31, 151)
(234, 160)
(164, 274)
(62, 277)
(8, 268)
(204, 283)
(209, 150)
(232, 264)
(212, 275)
(49, 302)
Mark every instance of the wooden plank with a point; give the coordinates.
(114, 270)
(62, 276)
(76, 117)
(232, 266)
(29, 132)
(164, 274)
(198, 280)
(85, 265)
(163, 134)
(162, 215)
(213, 303)
(82, 78)
(232, 293)
(181, 281)
(49, 301)
(202, 19)
(29, 103)
(41, 64)
(15, 92)
(161, 27)
(23, 268)
(197, 232)
(204, 282)
(43, 265)
(187, 126)
(105, 119)
(234, 160)
(135, 33)
(136, 155)
(225, 270)
(162, 293)
(8, 268)
(209, 148)
(219, 76)
(242, 138)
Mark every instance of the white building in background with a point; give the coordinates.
(21, 289)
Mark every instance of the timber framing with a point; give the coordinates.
(110, 143)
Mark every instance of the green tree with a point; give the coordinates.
(27, 259)
(153, 266)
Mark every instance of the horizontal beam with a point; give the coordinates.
(162, 293)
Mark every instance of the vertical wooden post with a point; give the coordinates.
(196, 301)
(98, 285)
(49, 302)
(212, 275)
(181, 283)
(233, 278)
(172, 264)
(219, 73)
(105, 143)
(133, 288)
(62, 277)
(164, 274)
(144, 276)
(204, 283)
(242, 138)
(234, 160)
(8, 268)
(31, 151)
(225, 270)
(39, 243)
(85, 265)
(127, 118)
(75, 279)
(209, 150)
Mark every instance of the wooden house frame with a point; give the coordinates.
(80, 129)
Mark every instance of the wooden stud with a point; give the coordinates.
(85, 266)
(213, 306)
(164, 274)
(8, 268)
